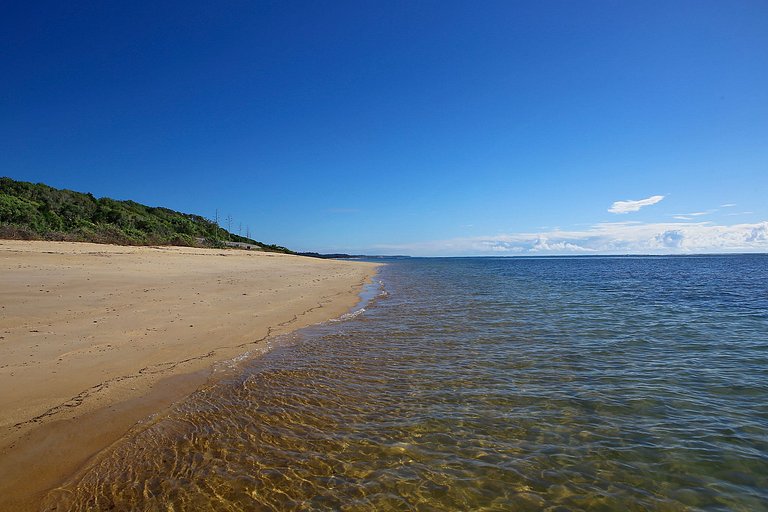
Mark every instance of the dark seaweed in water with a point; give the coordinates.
(482, 384)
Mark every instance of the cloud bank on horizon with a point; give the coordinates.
(605, 238)
(629, 237)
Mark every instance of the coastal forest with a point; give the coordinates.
(34, 211)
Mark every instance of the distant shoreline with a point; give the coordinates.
(97, 337)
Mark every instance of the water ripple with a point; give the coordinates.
(482, 384)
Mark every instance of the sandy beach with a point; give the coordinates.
(93, 338)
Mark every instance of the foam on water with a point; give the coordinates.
(348, 316)
(369, 294)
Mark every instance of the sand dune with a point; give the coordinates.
(95, 337)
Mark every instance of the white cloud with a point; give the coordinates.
(690, 216)
(543, 244)
(673, 238)
(605, 238)
(631, 205)
(759, 233)
(727, 205)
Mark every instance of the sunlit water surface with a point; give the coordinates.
(482, 384)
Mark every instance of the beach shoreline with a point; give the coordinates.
(95, 338)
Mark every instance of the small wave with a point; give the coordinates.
(348, 316)
(368, 296)
(233, 363)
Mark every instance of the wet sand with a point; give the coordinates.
(93, 338)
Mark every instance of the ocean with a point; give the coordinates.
(587, 383)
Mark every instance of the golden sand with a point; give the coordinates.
(94, 338)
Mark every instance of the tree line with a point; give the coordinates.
(34, 211)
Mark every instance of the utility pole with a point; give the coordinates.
(229, 222)
(248, 232)
(240, 229)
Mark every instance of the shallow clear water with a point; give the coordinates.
(482, 384)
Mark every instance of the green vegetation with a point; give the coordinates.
(36, 211)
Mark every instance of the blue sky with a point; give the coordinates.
(425, 128)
